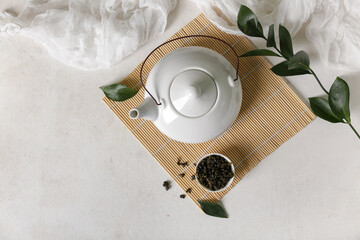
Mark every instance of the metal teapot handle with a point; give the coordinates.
(178, 38)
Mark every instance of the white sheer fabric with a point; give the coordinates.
(94, 34)
(89, 34)
(332, 25)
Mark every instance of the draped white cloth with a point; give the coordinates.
(89, 34)
(332, 25)
(93, 34)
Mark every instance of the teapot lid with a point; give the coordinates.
(193, 93)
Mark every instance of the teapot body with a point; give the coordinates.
(197, 92)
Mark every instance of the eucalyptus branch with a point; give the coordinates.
(277, 50)
(317, 79)
(335, 108)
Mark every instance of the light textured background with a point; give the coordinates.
(65, 171)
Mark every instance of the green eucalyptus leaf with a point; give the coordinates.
(260, 52)
(118, 92)
(286, 47)
(248, 22)
(245, 14)
(213, 209)
(339, 96)
(299, 61)
(282, 69)
(271, 37)
(322, 109)
(251, 29)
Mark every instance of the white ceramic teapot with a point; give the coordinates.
(192, 94)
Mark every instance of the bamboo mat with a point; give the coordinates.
(270, 114)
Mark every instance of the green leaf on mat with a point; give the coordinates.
(339, 99)
(260, 52)
(271, 37)
(248, 23)
(213, 209)
(282, 69)
(322, 109)
(118, 92)
(286, 47)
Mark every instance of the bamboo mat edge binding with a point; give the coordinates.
(271, 113)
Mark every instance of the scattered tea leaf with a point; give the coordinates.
(213, 209)
(118, 92)
(182, 195)
(188, 190)
(184, 164)
(339, 96)
(193, 177)
(182, 175)
(166, 184)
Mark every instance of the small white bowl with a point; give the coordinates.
(230, 181)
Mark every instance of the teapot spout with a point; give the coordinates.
(147, 110)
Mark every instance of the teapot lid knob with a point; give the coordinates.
(193, 93)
